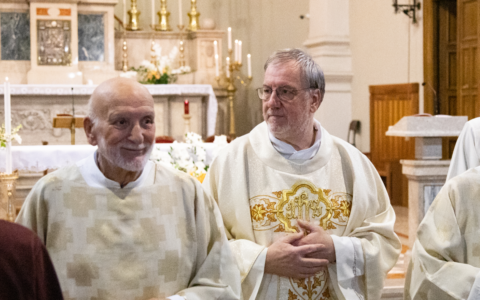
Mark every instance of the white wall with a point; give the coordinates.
(380, 50)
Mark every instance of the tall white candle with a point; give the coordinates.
(249, 65)
(239, 52)
(215, 48)
(8, 126)
(229, 38)
(217, 71)
(236, 51)
(228, 67)
(180, 17)
(125, 13)
(153, 14)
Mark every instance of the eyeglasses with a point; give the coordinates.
(283, 93)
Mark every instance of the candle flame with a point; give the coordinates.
(6, 78)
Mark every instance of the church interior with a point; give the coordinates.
(401, 82)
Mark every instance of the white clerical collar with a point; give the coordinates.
(287, 150)
(94, 177)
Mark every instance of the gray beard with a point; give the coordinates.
(112, 154)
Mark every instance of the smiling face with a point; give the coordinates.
(285, 119)
(124, 129)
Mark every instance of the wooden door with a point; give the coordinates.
(447, 67)
(467, 52)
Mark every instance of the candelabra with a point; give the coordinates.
(181, 49)
(125, 56)
(8, 184)
(134, 14)
(233, 66)
(193, 15)
(163, 14)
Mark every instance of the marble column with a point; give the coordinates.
(329, 44)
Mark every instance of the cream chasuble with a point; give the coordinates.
(160, 238)
(445, 260)
(261, 194)
(466, 154)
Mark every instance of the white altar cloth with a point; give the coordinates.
(158, 89)
(41, 158)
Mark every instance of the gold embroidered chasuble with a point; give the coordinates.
(445, 261)
(261, 194)
(156, 240)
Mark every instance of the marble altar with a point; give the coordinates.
(427, 173)
(34, 106)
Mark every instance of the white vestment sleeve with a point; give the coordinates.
(252, 282)
(466, 153)
(475, 291)
(349, 267)
(176, 297)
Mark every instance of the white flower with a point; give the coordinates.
(17, 138)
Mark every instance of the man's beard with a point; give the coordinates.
(113, 155)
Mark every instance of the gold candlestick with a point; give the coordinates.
(193, 15)
(233, 66)
(163, 15)
(8, 184)
(134, 14)
(125, 57)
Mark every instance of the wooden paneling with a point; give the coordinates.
(388, 104)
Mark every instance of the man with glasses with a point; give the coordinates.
(306, 213)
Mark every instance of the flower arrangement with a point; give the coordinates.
(159, 70)
(4, 137)
(188, 157)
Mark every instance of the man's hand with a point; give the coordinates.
(316, 235)
(284, 259)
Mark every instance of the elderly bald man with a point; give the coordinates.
(118, 226)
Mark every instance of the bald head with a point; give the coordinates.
(121, 121)
(117, 92)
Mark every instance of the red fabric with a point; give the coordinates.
(26, 271)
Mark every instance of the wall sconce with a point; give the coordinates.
(408, 9)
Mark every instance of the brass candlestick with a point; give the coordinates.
(193, 15)
(134, 14)
(233, 66)
(8, 183)
(125, 57)
(181, 49)
(163, 15)
(187, 118)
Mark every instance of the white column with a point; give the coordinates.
(329, 44)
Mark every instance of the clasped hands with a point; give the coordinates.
(301, 255)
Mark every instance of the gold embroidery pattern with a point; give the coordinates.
(303, 201)
(312, 288)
